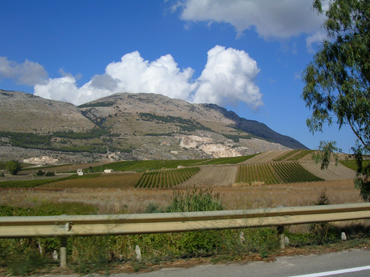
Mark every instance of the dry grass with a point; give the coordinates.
(130, 200)
(287, 195)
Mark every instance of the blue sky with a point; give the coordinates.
(244, 55)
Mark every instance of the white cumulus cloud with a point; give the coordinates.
(228, 78)
(27, 73)
(270, 19)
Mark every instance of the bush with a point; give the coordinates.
(2, 174)
(152, 208)
(40, 173)
(323, 232)
(13, 167)
(195, 200)
(48, 173)
(25, 262)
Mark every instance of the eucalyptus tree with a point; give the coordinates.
(337, 81)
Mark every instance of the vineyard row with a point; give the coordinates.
(166, 178)
(275, 173)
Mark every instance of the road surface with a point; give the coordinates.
(355, 263)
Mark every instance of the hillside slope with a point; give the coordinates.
(129, 126)
(23, 112)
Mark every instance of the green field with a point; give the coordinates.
(275, 173)
(352, 164)
(233, 160)
(142, 166)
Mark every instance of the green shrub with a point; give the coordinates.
(323, 232)
(40, 173)
(195, 200)
(152, 208)
(2, 174)
(13, 167)
(48, 173)
(25, 261)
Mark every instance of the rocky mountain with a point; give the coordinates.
(23, 113)
(129, 126)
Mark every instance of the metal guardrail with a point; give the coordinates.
(125, 224)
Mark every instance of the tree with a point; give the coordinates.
(13, 167)
(337, 81)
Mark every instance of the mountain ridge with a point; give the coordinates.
(132, 126)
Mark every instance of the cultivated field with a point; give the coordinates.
(113, 180)
(217, 175)
(258, 181)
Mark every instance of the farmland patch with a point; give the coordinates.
(115, 180)
(166, 178)
(289, 172)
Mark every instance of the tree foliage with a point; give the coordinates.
(337, 81)
(326, 151)
(13, 167)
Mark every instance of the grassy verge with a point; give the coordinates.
(105, 254)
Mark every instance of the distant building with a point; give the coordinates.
(108, 170)
(80, 172)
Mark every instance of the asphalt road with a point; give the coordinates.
(349, 264)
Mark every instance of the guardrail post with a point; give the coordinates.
(63, 251)
(280, 230)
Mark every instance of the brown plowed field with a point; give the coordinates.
(220, 175)
(339, 172)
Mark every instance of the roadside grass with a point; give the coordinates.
(36, 183)
(107, 254)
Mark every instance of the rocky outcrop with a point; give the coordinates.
(193, 141)
(40, 160)
(219, 150)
